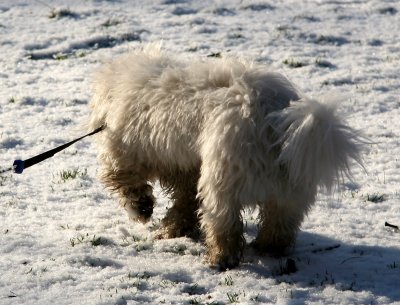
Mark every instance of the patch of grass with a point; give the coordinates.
(371, 197)
(223, 11)
(192, 289)
(192, 49)
(110, 22)
(394, 265)
(259, 7)
(68, 174)
(167, 283)
(77, 240)
(177, 248)
(195, 301)
(80, 53)
(11, 203)
(216, 55)
(233, 297)
(140, 275)
(139, 243)
(57, 13)
(96, 241)
(63, 55)
(137, 280)
(3, 180)
(387, 10)
(228, 281)
(143, 245)
(324, 83)
(235, 36)
(88, 44)
(353, 193)
(328, 39)
(86, 238)
(60, 56)
(376, 198)
(309, 18)
(292, 63)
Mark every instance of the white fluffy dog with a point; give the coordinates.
(220, 135)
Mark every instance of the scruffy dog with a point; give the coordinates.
(220, 135)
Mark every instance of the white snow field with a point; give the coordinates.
(65, 240)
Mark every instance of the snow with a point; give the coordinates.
(63, 238)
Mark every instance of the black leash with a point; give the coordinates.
(19, 165)
(391, 226)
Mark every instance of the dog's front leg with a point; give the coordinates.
(132, 187)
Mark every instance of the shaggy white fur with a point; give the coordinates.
(220, 135)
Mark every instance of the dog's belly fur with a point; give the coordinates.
(220, 135)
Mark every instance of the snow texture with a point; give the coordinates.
(64, 240)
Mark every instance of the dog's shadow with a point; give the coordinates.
(318, 261)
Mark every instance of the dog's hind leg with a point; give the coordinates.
(279, 224)
(181, 218)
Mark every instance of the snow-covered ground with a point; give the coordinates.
(64, 240)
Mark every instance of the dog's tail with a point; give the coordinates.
(317, 147)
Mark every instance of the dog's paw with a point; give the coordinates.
(226, 263)
(172, 231)
(139, 208)
(145, 206)
(167, 232)
(223, 262)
